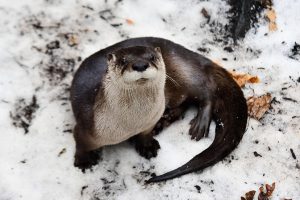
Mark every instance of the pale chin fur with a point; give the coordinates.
(133, 76)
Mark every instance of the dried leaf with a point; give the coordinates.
(270, 189)
(266, 193)
(271, 15)
(73, 40)
(242, 79)
(258, 106)
(129, 21)
(249, 195)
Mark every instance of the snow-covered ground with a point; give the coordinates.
(42, 43)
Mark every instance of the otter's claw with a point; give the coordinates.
(198, 129)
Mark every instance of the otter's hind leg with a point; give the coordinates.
(85, 157)
(200, 124)
(170, 115)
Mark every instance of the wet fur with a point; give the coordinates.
(191, 79)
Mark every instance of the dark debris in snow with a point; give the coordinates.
(23, 113)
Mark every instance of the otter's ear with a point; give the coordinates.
(111, 57)
(157, 49)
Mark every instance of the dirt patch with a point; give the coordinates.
(59, 46)
(57, 68)
(23, 113)
(295, 52)
(243, 15)
(57, 65)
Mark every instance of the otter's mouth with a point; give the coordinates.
(140, 77)
(142, 80)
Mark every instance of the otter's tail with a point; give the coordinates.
(230, 115)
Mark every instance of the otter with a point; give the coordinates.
(134, 88)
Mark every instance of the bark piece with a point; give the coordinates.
(258, 106)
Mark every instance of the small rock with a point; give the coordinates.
(257, 154)
(198, 188)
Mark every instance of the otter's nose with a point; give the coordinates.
(140, 66)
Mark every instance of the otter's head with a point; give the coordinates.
(136, 65)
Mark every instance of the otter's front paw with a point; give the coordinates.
(147, 149)
(86, 160)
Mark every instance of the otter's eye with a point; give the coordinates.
(123, 61)
(153, 58)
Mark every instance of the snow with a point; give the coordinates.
(31, 166)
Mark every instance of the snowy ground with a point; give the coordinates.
(43, 42)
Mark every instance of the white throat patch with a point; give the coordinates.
(127, 109)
